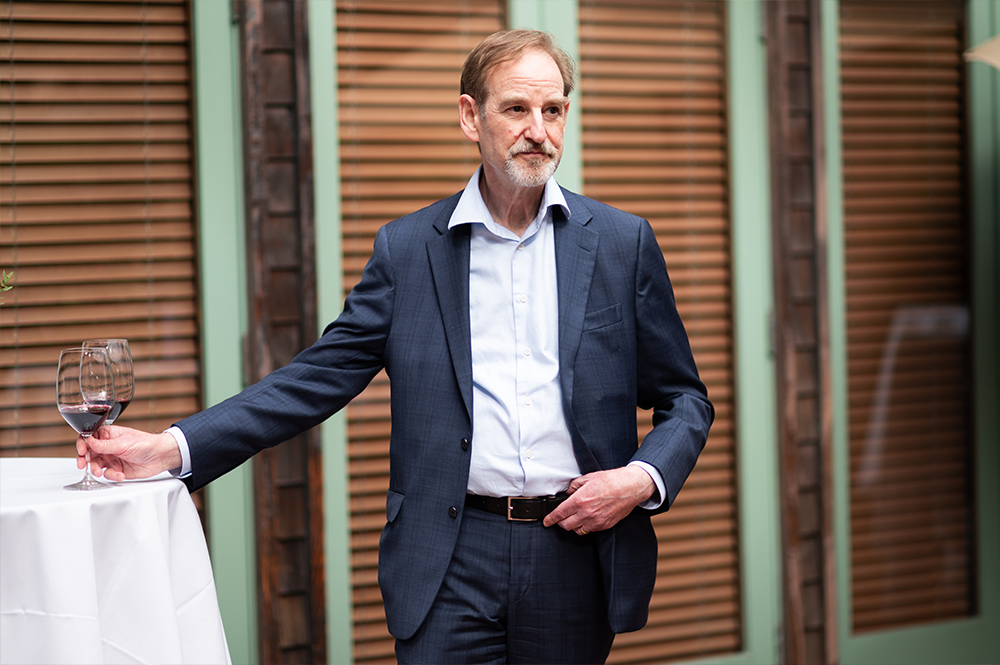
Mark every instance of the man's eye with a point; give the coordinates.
(517, 109)
(554, 110)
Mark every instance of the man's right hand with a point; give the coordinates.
(120, 453)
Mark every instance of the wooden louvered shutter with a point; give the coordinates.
(907, 326)
(95, 207)
(654, 143)
(399, 64)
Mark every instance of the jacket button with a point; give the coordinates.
(465, 444)
(453, 512)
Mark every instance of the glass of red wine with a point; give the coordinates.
(85, 393)
(121, 366)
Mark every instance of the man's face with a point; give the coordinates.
(520, 125)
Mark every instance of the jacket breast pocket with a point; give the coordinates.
(603, 336)
(602, 318)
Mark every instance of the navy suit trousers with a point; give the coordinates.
(515, 592)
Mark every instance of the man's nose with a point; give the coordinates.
(535, 131)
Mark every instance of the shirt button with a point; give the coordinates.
(465, 444)
(527, 352)
(528, 454)
(527, 401)
(523, 298)
(520, 247)
(453, 512)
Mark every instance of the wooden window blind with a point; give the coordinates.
(399, 64)
(653, 84)
(907, 295)
(95, 207)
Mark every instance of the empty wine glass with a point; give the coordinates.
(121, 366)
(85, 393)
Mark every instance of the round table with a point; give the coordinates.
(120, 575)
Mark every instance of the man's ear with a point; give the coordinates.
(468, 117)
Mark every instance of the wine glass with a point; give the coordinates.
(121, 366)
(85, 393)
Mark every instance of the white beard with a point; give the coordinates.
(537, 172)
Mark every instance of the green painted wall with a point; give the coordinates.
(829, 24)
(753, 304)
(221, 272)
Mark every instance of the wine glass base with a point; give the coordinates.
(88, 484)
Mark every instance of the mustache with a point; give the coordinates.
(522, 146)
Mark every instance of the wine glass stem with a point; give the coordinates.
(86, 469)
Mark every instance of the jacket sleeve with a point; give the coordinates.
(667, 379)
(317, 383)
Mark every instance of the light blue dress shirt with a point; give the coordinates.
(520, 443)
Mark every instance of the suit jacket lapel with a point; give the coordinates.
(449, 260)
(576, 255)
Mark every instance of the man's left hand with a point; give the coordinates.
(601, 499)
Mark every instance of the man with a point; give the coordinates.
(520, 325)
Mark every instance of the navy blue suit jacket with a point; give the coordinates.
(621, 344)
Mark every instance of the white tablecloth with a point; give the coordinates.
(120, 575)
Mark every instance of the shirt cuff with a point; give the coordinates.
(184, 470)
(655, 501)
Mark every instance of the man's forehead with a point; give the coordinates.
(532, 72)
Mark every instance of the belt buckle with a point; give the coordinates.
(510, 509)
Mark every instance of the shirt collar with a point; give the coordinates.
(472, 209)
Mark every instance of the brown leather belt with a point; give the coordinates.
(517, 508)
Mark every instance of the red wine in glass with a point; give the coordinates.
(116, 410)
(85, 393)
(85, 418)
